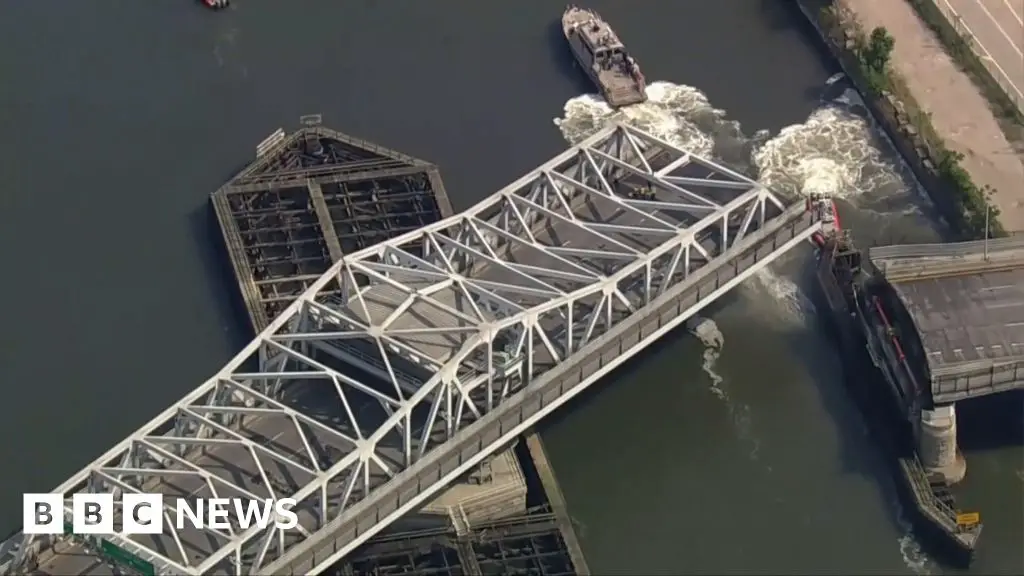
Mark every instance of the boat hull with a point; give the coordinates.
(618, 87)
(840, 277)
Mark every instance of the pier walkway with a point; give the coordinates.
(966, 303)
(410, 362)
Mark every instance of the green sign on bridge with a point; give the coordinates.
(120, 556)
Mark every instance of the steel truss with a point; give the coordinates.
(401, 346)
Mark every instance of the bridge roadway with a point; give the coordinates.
(410, 362)
(965, 302)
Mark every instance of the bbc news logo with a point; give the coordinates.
(145, 513)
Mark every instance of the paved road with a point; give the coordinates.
(998, 29)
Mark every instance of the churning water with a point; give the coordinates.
(836, 151)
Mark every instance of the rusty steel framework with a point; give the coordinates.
(412, 360)
(309, 198)
(530, 545)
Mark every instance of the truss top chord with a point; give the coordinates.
(355, 398)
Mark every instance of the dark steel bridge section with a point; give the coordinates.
(311, 197)
(963, 304)
(529, 545)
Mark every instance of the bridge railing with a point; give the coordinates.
(740, 250)
(525, 408)
(991, 65)
(908, 262)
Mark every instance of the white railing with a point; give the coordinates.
(993, 67)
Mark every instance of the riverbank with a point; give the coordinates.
(937, 118)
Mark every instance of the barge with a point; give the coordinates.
(881, 382)
(603, 57)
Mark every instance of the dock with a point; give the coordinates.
(309, 198)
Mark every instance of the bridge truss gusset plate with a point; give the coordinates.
(402, 346)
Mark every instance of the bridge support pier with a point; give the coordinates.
(937, 444)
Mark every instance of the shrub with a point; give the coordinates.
(878, 50)
(871, 56)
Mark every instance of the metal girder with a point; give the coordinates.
(373, 372)
(326, 175)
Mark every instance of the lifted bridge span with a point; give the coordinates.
(411, 361)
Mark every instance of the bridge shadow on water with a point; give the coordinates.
(785, 15)
(991, 422)
(856, 398)
(218, 271)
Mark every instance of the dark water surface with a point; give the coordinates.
(121, 117)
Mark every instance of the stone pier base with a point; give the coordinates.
(937, 445)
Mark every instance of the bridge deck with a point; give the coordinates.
(968, 310)
(509, 283)
(386, 381)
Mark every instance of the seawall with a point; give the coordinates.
(957, 196)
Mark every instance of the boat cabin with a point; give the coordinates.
(602, 42)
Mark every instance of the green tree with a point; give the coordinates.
(879, 49)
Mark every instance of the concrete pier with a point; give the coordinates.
(937, 444)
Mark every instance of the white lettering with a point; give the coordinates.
(185, 510)
(286, 519)
(217, 513)
(143, 513)
(256, 510)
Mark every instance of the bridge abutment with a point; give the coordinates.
(937, 444)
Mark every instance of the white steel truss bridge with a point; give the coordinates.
(411, 361)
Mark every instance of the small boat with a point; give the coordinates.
(601, 54)
(216, 4)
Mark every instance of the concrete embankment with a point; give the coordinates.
(929, 109)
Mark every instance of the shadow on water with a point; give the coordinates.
(220, 274)
(856, 401)
(991, 422)
(785, 16)
(564, 60)
(213, 254)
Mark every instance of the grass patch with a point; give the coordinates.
(866, 58)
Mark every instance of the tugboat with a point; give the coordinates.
(853, 294)
(601, 54)
(216, 4)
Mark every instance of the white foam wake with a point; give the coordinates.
(708, 333)
(832, 152)
(706, 330)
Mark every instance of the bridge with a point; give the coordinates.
(410, 362)
(959, 314)
(965, 302)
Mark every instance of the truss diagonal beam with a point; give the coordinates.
(403, 356)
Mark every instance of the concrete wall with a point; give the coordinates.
(888, 111)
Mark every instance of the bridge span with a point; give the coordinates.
(408, 363)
